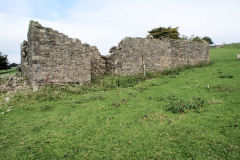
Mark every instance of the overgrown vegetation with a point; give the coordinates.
(3, 62)
(197, 39)
(107, 83)
(163, 32)
(4, 65)
(131, 117)
(172, 33)
(184, 105)
(208, 40)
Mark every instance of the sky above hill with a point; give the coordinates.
(105, 22)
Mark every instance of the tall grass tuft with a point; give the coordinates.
(184, 105)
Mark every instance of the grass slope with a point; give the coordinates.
(8, 72)
(133, 122)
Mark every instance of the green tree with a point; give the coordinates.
(12, 65)
(208, 40)
(197, 39)
(3, 62)
(163, 32)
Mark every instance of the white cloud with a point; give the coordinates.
(15, 7)
(12, 32)
(104, 23)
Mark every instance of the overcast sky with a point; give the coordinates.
(104, 23)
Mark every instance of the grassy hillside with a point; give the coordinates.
(194, 114)
(8, 72)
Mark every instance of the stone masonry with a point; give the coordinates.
(139, 55)
(50, 57)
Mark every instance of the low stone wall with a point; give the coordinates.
(139, 55)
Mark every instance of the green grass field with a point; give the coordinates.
(194, 114)
(8, 72)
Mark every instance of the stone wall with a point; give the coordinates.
(140, 55)
(50, 57)
(24, 58)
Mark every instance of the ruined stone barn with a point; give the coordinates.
(50, 57)
(139, 55)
